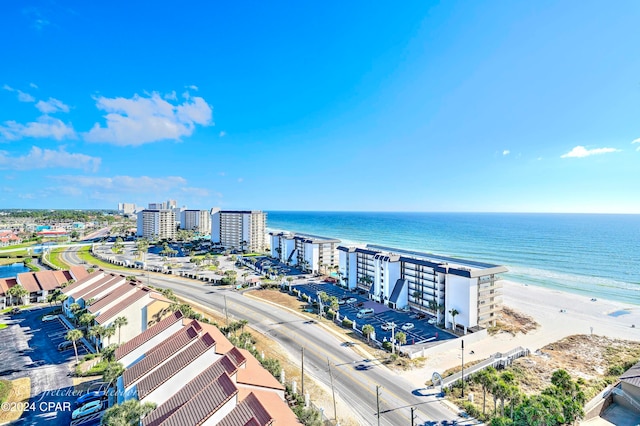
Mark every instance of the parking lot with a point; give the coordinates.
(421, 333)
(30, 348)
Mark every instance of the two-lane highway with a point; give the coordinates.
(355, 379)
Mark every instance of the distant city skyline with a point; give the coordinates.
(424, 106)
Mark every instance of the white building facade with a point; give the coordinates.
(427, 283)
(310, 253)
(196, 220)
(243, 230)
(154, 223)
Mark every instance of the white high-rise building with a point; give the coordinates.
(157, 223)
(126, 208)
(239, 229)
(308, 252)
(426, 282)
(196, 220)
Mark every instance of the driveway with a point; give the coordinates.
(29, 348)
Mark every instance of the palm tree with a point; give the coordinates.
(454, 312)
(129, 412)
(401, 337)
(18, 292)
(118, 323)
(112, 372)
(73, 336)
(109, 332)
(96, 332)
(485, 378)
(86, 319)
(334, 303)
(367, 330)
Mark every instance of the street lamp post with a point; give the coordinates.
(462, 342)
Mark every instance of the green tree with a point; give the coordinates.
(334, 303)
(130, 412)
(485, 378)
(119, 323)
(401, 337)
(367, 330)
(454, 313)
(96, 332)
(18, 292)
(112, 372)
(86, 319)
(73, 336)
(109, 332)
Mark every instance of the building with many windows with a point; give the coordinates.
(426, 283)
(196, 220)
(242, 230)
(308, 252)
(157, 223)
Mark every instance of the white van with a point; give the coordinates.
(364, 313)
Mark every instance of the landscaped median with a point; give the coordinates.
(14, 398)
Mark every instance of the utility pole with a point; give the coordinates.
(378, 402)
(333, 391)
(393, 338)
(226, 312)
(302, 372)
(462, 341)
(413, 416)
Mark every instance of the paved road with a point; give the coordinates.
(355, 378)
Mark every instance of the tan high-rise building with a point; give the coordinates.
(155, 223)
(242, 230)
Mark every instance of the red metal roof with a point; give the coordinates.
(249, 411)
(118, 292)
(147, 335)
(94, 290)
(161, 353)
(138, 294)
(82, 281)
(203, 405)
(28, 281)
(78, 272)
(222, 366)
(174, 365)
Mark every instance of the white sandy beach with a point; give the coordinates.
(544, 305)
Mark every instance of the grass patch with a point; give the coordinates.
(56, 259)
(22, 245)
(20, 391)
(5, 387)
(2, 326)
(85, 254)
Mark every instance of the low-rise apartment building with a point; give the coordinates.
(310, 253)
(425, 282)
(38, 284)
(242, 230)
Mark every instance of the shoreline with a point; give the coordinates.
(583, 316)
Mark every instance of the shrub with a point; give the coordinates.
(386, 346)
(347, 323)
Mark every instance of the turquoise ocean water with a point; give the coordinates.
(590, 254)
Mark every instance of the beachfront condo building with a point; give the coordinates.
(242, 230)
(157, 223)
(196, 220)
(427, 283)
(310, 253)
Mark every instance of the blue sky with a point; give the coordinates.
(420, 106)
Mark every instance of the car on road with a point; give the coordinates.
(341, 302)
(86, 409)
(89, 397)
(408, 326)
(431, 321)
(48, 318)
(15, 311)
(388, 326)
(351, 300)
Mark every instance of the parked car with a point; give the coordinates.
(64, 345)
(341, 302)
(387, 326)
(86, 409)
(431, 321)
(48, 318)
(15, 311)
(89, 397)
(408, 326)
(351, 300)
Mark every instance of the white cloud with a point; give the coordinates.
(636, 141)
(129, 184)
(51, 106)
(22, 96)
(44, 127)
(140, 120)
(173, 96)
(193, 87)
(506, 152)
(39, 158)
(33, 85)
(581, 151)
(222, 134)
